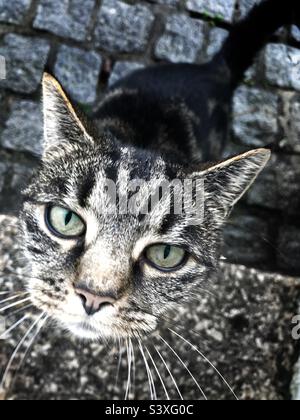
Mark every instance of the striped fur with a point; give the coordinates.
(109, 260)
(158, 125)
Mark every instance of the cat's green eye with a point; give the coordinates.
(166, 257)
(64, 223)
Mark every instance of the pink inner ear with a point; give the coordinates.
(62, 123)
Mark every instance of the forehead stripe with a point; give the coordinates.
(85, 188)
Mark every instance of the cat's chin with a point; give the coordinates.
(86, 332)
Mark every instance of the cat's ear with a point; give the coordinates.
(62, 124)
(225, 183)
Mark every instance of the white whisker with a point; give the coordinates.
(147, 369)
(133, 364)
(13, 356)
(40, 325)
(185, 366)
(17, 311)
(14, 304)
(150, 376)
(129, 370)
(158, 374)
(11, 292)
(119, 363)
(201, 289)
(13, 327)
(170, 373)
(13, 297)
(206, 360)
(6, 293)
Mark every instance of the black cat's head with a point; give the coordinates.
(117, 236)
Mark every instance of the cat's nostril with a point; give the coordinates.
(105, 305)
(83, 298)
(93, 303)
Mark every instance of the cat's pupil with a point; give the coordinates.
(68, 218)
(167, 251)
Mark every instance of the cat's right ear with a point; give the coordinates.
(62, 124)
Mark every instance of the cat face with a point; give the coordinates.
(106, 259)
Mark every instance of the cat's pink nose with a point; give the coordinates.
(92, 302)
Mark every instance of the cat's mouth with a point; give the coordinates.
(118, 327)
(94, 326)
(120, 319)
(86, 331)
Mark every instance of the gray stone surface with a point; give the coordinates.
(246, 239)
(283, 66)
(24, 128)
(65, 18)
(295, 32)
(2, 107)
(25, 61)
(217, 37)
(255, 113)
(288, 184)
(288, 248)
(167, 2)
(242, 324)
(78, 71)
(220, 9)
(13, 11)
(2, 173)
(246, 5)
(122, 27)
(13, 178)
(122, 69)
(295, 387)
(292, 141)
(278, 186)
(2, 67)
(182, 40)
(252, 73)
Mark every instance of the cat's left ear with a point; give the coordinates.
(225, 183)
(62, 124)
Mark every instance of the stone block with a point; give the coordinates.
(24, 128)
(283, 66)
(65, 18)
(255, 113)
(220, 9)
(78, 71)
(182, 39)
(13, 11)
(25, 58)
(122, 27)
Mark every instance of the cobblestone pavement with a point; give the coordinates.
(89, 45)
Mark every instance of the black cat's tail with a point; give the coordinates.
(250, 35)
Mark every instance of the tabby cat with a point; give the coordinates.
(100, 269)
